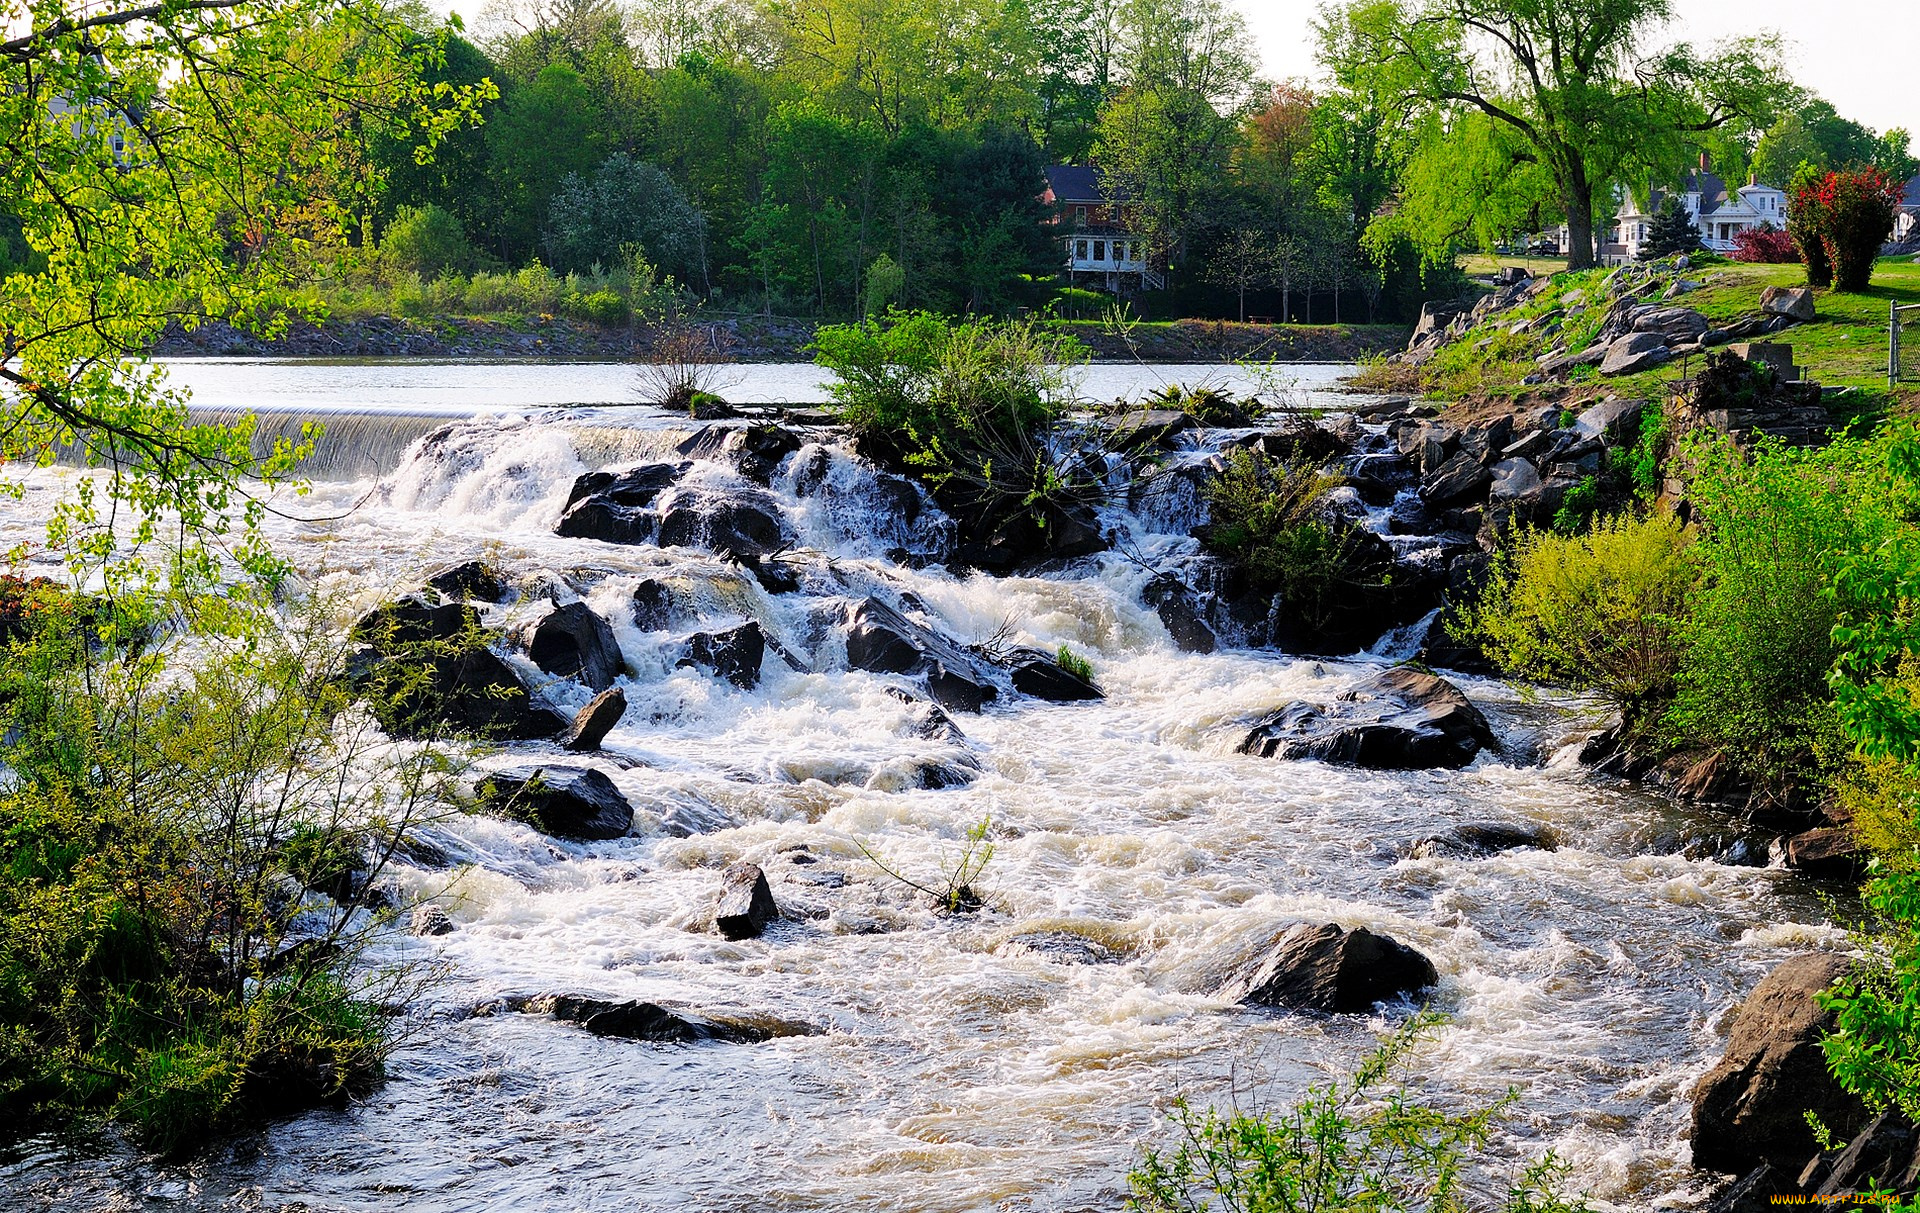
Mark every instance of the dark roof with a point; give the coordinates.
(1912, 196)
(1713, 192)
(1078, 183)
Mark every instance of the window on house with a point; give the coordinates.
(1079, 216)
(1099, 250)
(1079, 250)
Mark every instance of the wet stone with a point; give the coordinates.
(746, 903)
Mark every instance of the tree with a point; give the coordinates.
(1572, 86)
(425, 240)
(626, 201)
(1242, 262)
(539, 134)
(1165, 140)
(169, 163)
(1813, 133)
(1672, 231)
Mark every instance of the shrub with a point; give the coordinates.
(425, 240)
(1857, 208)
(1806, 221)
(1271, 519)
(1773, 527)
(1600, 612)
(152, 968)
(955, 893)
(1363, 1145)
(686, 367)
(1207, 405)
(599, 307)
(1765, 244)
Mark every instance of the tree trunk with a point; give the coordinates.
(1243, 303)
(1578, 195)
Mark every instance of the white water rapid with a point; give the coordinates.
(957, 1067)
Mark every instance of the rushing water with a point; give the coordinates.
(956, 1069)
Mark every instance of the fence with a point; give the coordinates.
(1903, 343)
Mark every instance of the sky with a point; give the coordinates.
(1862, 55)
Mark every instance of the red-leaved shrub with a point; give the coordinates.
(1765, 243)
(1851, 214)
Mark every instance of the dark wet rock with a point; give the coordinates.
(421, 688)
(1751, 1107)
(592, 723)
(1062, 947)
(931, 723)
(571, 641)
(1402, 719)
(617, 507)
(939, 775)
(1024, 539)
(567, 802)
(1885, 1155)
(745, 524)
(1379, 478)
(1327, 968)
(1755, 1192)
(1829, 852)
(1043, 677)
(1428, 444)
(884, 641)
(734, 654)
(654, 606)
(1144, 428)
(775, 576)
(746, 903)
(429, 920)
(411, 621)
(473, 579)
(1478, 840)
(1181, 614)
(1459, 477)
(1441, 649)
(756, 451)
(652, 1021)
(688, 819)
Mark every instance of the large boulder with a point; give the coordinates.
(1829, 852)
(572, 641)
(1607, 421)
(1751, 1108)
(1402, 719)
(567, 802)
(1676, 325)
(757, 451)
(617, 507)
(1458, 478)
(1327, 968)
(746, 523)
(1513, 479)
(1885, 1154)
(426, 668)
(884, 641)
(1795, 302)
(1635, 352)
(475, 579)
(734, 654)
(1043, 677)
(1477, 840)
(1181, 613)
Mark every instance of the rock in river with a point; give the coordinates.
(746, 903)
(1043, 677)
(650, 1021)
(571, 641)
(568, 802)
(1402, 719)
(734, 654)
(883, 640)
(1751, 1107)
(593, 722)
(1328, 968)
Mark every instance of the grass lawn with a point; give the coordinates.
(1487, 263)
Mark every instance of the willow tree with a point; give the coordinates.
(168, 162)
(1581, 89)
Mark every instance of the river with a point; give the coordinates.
(956, 1069)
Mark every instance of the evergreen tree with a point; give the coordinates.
(1672, 231)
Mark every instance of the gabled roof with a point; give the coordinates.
(1912, 196)
(1069, 183)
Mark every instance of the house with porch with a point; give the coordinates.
(1720, 211)
(1090, 221)
(1906, 217)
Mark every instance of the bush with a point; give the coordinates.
(1358, 1146)
(1765, 244)
(599, 307)
(1600, 612)
(1271, 519)
(152, 965)
(1773, 527)
(425, 240)
(1839, 220)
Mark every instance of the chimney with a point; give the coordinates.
(1703, 162)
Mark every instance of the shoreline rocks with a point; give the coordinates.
(1401, 719)
(567, 802)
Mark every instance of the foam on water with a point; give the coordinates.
(956, 1067)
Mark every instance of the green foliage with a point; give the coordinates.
(155, 965)
(1774, 528)
(600, 307)
(1366, 1144)
(425, 240)
(1874, 1049)
(1271, 519)
(1601, 612)
(1074, 664)
(626, 202)
(954, 893)
(1206, 404)
(1575, 514)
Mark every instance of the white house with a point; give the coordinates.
(1720, 212)
(1906, 219)
(1090, 222)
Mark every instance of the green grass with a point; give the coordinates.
(1487, 263)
